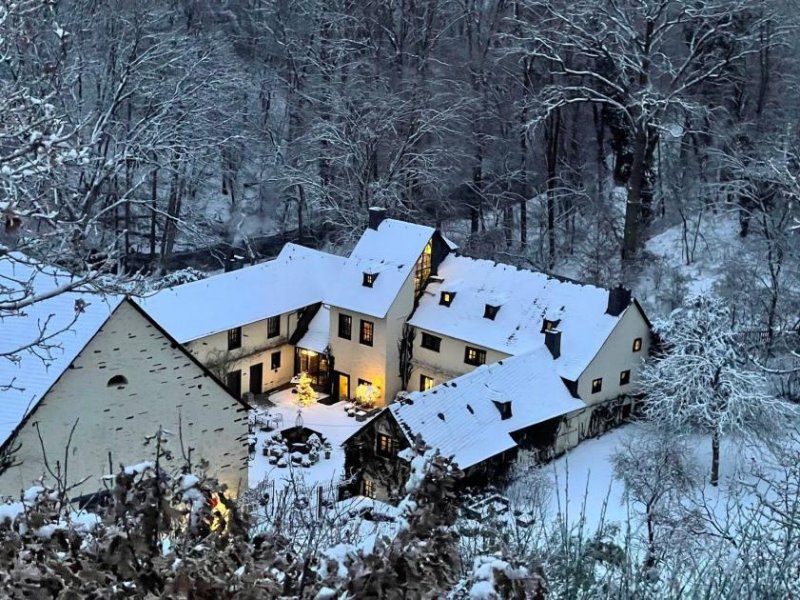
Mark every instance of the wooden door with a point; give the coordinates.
(256, 378)
(234, 382)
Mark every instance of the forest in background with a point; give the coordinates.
(553, 134)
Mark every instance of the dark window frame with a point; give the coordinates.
(625, 377)
(446, 298)
(369, 488)
(597, 385)
(367, 339)
(273, 364)
(234, 338)
(490, 311)
(369, 279)
(637, 345)
(345, 326)
(273, 326)
(478, 360)
(431, 342)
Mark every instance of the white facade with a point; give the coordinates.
(164, 388)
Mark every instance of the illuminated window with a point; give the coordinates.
(597, 385)
(637, 344)
(369, 488)
(345, 326)
(117, 380)
(474, 356)
(624, 377)
(446, 299)
(386, 446)
(273, 327)
(425, 383)
(490, 312)
(549, 325)
(431, 342)
(366, 332)
(275, 360)
(369, 279)
(234, 338)
(422, 271)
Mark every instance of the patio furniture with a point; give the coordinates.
(297, 458)
(277, 420)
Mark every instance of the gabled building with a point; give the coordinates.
(99, 377)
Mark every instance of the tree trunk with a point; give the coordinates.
(715, 458)
(552, 137)
(633, 206)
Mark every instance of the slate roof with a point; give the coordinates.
(391, 251)
(298, 277)
(525, 299)
(27, 375)
(460, 417)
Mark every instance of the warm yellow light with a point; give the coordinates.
(367, 395)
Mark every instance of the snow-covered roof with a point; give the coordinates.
(525, 299)
(298, 277)
(68, 321)
(460, 418)
(391, 252)
(317, 338)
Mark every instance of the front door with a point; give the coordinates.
(343, 385)
(234, 382)
(256, 378)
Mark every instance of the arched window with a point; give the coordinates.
(117, 380)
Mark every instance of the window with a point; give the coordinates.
(425, 383)
(431, 342)
(273, 327)
(234, 338)
(345, 326)
(386, 446)
(364, 382)
(366, 332)
(369, 488)
(597, 385)
(490, 312)
(625, 377)
(549, 325)
(473, 356)
(446, 299)
(637, 344)
(422, 270)
(369, 279)
(275, 360)
(117, 380)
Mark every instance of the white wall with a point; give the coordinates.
(163, 383)
(616, 355)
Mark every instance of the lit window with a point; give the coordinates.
(273, 327)
(490, 312)
(446, 299)
(597, 385)
(369, 279)
(345, 326)
(386, 446)
(369, 488)
(425, 383)
(366, 333)
(624, 377)
(275, 360)
(117, 380)
(422, 270)
(637, 344)
(431, 342)
(234, 338)
(549, 325)
(474, 356)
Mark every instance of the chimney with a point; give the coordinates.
(376, 216)
(618, 300)
(552, 339)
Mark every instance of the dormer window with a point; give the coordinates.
(490, 312)
(369, 279)
(446, 299)
(504, 408)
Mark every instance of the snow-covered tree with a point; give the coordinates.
(699, 381)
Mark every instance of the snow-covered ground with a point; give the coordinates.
(331, 422)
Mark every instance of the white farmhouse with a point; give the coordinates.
(100, 378)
